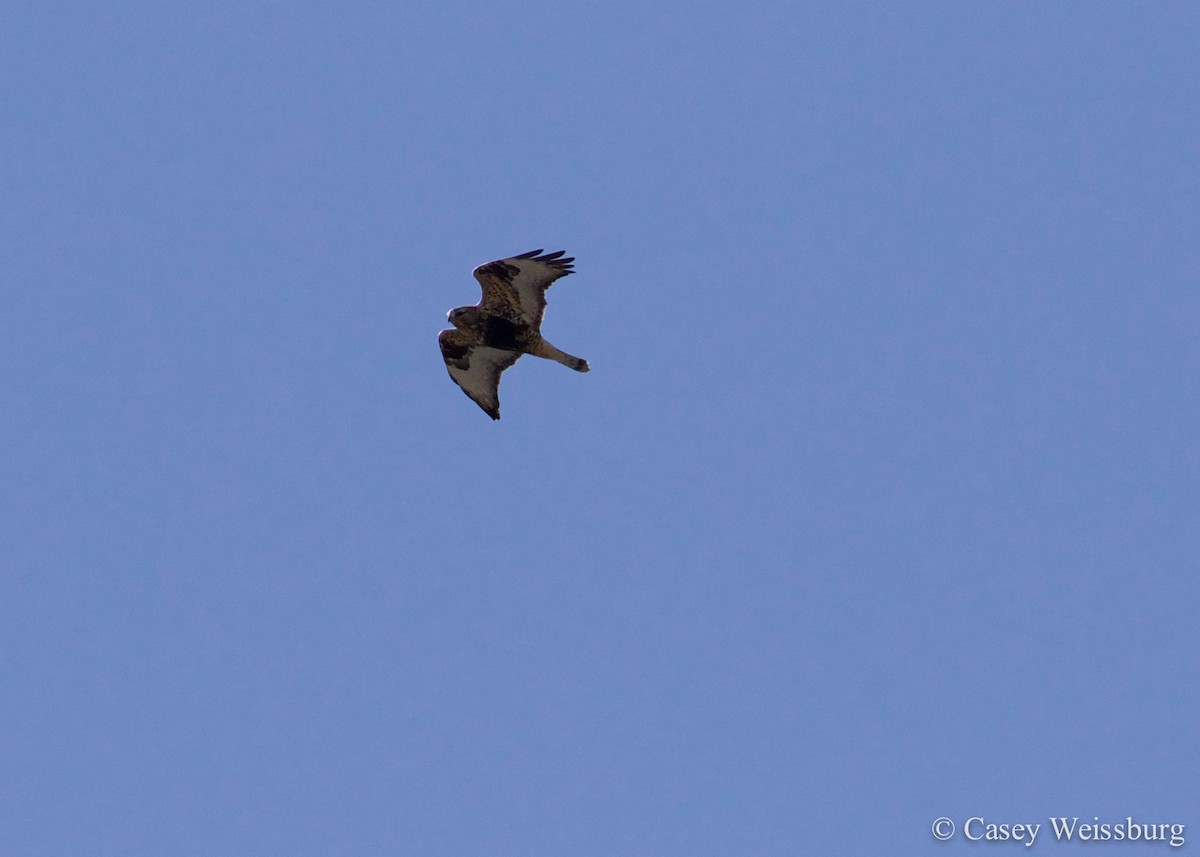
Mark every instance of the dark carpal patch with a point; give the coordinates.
(499, 270)
(501, 333)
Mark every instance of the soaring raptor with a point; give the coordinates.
(492, 335)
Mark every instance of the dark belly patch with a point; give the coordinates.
(502, 333)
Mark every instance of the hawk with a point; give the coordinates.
(492, 335)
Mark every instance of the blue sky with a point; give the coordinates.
(879, 503)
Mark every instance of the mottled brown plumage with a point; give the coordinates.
(492, 335)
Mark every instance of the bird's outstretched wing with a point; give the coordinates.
(516, 287)
(476, 368)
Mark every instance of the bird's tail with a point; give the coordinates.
(545, 349)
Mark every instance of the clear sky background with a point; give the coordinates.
(880, 502)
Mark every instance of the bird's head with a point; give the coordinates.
(462, 317)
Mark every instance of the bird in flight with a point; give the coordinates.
(492, 335)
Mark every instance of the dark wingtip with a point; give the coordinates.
(554, 259)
